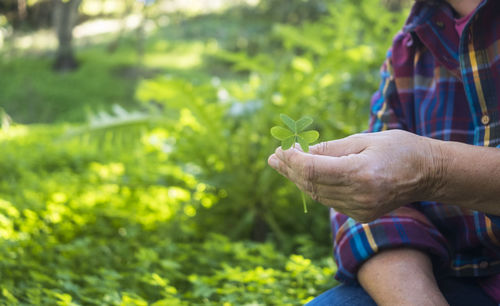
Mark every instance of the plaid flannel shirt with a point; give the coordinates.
(439, 85)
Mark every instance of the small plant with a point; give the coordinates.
(295, 133)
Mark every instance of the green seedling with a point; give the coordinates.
(295, 133)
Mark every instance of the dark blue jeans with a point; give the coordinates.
(457, 291)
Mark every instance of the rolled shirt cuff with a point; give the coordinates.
(355, 242)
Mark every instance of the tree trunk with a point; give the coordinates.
(65, 18)
(21, 9)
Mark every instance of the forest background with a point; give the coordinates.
(134, 138)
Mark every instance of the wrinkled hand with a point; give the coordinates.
(364, 176)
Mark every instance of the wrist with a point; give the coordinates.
(437, 168)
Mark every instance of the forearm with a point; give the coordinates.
(467, 176)
(400, 277)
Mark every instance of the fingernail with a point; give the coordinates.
(273, 162)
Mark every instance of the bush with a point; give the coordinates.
(81, 227)
(326, 69)
(175, 204)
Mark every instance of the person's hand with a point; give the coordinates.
(364, 176)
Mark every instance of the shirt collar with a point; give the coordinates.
(421, 12)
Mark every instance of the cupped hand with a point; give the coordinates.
(364, 176)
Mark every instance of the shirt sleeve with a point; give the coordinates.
(354, 242)
(385, 109)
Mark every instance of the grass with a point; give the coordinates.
(33, 93)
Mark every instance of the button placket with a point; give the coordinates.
(485, 119)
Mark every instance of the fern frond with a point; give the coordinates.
(119, 118)
(119, 127)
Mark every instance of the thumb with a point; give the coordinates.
(353, 144)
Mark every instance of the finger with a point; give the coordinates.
(300, 181)
(322, 190)
(341, 147)
(309, 168)
(335, 193)
(342, 207)
(278, 165)
(298, 147)
(358, 215)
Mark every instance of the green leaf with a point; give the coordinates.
(280, 133)
(302, 123)
(9, 296)
(287, 143)
(309, 136)
(289, 122)
(303, 144)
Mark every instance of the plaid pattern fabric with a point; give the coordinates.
(440, 85)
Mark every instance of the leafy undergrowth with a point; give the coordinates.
(101, 219)
(83, 227)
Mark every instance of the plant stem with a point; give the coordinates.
(304, 202)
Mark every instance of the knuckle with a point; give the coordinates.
(319, 148)
(368, 175)
(323, 147)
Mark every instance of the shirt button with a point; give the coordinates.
(483, 264)
(440, 24)
(485, 119)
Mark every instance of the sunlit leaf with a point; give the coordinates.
(302, 64)
(289, 122)
(280, 133)
(309, 136)
(302, 123)
(287, 143)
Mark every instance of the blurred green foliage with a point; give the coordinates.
(167, 199)
(85, 227)
(94, 86)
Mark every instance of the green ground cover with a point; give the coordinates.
(167, 199)
(79, 226)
